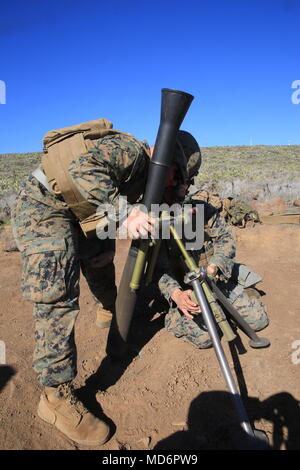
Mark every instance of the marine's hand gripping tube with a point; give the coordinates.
(174, 106)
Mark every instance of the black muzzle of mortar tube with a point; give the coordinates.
(174, 106)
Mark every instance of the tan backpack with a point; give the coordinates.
(61, 147)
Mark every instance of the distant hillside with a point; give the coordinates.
(260, 171)
(235, 170)
(255, 163)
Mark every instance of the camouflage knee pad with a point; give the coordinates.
(192, 331)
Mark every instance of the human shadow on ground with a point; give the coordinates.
(88, 398)
(6, 373)
(210, 409)
(213, 424)
(147, 320)
(282, 409)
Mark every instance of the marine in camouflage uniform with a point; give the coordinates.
(235, 280)
(54, 250)
(219, 248)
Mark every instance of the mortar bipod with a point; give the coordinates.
(196, 279)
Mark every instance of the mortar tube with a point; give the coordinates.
(125, 303)
(174, 106)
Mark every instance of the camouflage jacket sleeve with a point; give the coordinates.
(163, 274)
(100, 173)
(221, 239)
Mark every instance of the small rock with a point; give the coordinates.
(297, 203)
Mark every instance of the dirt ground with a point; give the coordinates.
(171, 396)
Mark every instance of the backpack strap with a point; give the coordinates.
(55, 165)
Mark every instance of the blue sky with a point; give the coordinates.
(65, 62)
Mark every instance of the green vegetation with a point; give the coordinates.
(250, 163)
(14, 167)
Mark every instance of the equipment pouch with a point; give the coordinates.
(43, 276)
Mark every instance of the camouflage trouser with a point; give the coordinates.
(247, 303)
(54, 249)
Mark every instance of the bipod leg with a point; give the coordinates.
(192, 278)
(255, 341)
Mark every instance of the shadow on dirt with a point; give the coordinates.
(210, 409)
(147, 321)
(88, 398)
(6, 373)
(212, 421)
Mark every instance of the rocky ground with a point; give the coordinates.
(171, 396)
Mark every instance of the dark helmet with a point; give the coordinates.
(187, 156)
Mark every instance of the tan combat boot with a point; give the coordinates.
(59, 406)
(103, 318)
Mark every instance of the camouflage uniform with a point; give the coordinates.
(54, 249)
(219, 248)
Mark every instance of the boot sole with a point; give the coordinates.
(84, 443)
